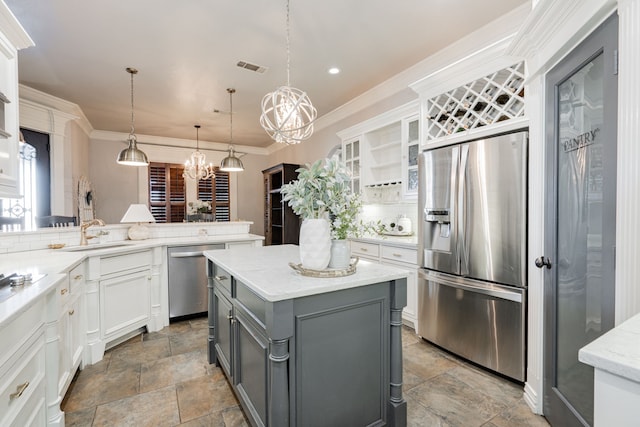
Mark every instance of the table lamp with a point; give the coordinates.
(138, 213)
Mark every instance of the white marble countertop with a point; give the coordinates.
(55, 263)
(617, 351)
(267, 272)
(410, 242)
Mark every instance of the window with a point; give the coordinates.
(167, 193)
(216, 191)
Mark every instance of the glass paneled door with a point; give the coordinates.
(580, 236)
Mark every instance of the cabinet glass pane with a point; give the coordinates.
(347, 152)
(356, 148)
(413, 180)
(413, 155)
(356, 168)
(413, 130)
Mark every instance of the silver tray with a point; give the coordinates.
(327, 272)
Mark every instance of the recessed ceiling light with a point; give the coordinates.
(334, 70)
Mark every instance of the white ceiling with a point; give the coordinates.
(186, 53)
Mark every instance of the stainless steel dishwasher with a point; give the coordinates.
(188, 279)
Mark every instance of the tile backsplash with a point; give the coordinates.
(390, 212)
(70, 236)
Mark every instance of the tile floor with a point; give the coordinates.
(164, 379)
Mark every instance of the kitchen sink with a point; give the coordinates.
(96, 246)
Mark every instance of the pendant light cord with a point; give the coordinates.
(231, 114)
(132, 71)
(288, 46)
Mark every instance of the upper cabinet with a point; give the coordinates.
(12, 38)
(381, 153)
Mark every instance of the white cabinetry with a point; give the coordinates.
(403, 256)
(377, 152)
(70, 327)
(12, 38)
(119, 298)
(22, 369)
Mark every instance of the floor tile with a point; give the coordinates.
(203, 396)
(420, 360)
(455, 402)
(80, 418)
(195, 339)
(155, 408)
(229, 417)
(519, 415)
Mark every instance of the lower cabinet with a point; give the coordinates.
(124, 303)
(70, 327)
(320, 360)
(22, 369)
(397, 256)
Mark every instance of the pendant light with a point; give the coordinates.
(231, 163)
(287, 112)
(132, 155)
(195, 167)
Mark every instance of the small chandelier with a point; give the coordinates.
(195, 167)
(132, 155)
(287, 113)
(231, 163)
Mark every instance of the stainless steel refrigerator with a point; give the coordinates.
(472, 250)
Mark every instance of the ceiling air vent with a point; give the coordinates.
(251, 67)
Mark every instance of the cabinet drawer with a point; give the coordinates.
(16, 333)
(123, 263)
(366, 249)
(22, 385)
(409, 256)
(222, 278)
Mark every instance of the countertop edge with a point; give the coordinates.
(612, 353)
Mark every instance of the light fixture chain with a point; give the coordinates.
(288, 46)
(132, 117)
(231, 115)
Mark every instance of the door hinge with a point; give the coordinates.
(615, 62)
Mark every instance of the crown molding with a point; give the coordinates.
(44, 100)
(103, 135)
(12, 29)
(554, 28)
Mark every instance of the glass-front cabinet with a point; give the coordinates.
(410, 151)
(351, 157)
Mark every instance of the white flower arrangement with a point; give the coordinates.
(323, 191)
(198, 206)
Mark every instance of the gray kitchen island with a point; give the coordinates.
(303, 351)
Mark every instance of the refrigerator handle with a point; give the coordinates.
(463, 247)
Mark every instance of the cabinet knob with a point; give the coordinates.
(230, 317)
(19, 390)
(71, 312)
(63, 291)
(221, 278)
(149, 277)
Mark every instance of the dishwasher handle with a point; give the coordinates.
(186, 254)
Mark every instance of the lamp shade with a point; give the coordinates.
(231, 163)
(137, 213)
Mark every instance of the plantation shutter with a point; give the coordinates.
(216, 191)
(167, 193)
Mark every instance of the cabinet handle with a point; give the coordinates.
(63, 291)
(71, 312)
(230, 317)
(78, 277)
(397, 255)
(19, 390)
(221, 278)
(363, 249)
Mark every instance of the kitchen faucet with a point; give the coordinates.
(83, 230)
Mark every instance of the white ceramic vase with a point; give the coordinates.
(340, 254)
(315, 244)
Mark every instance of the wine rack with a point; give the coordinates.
(490, 99)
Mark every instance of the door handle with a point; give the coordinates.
(542, 262)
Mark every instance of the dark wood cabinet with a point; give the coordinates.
(281, 225)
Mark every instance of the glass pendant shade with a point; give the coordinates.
(231, 163)
(132, 155)
(195, 167)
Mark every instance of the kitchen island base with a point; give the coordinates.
(331, 358)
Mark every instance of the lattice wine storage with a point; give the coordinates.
(490, 99)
